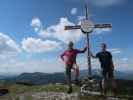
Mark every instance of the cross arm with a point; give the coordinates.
(72, 27)
(103, 26)
(95, 26)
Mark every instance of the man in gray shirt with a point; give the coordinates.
(107, 66)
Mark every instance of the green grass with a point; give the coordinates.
(16, 90)
(39, 88)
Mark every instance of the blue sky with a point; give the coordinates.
(32, 35)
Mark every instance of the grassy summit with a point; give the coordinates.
(18, 91)
(41, 92)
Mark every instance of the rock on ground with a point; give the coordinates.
(50, 96)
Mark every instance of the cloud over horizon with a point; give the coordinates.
(57, 32)
(36, 24)
(74, 11)
(8, 47)
(115, 50)
(106, 3)
(34, 45)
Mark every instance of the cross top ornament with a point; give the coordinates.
(87, 27)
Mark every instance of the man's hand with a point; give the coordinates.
(113, 67)
(92, 55)
(62, 58)
(85, 48)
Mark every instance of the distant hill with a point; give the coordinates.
(40, 78)
(118, 74)
(123, 75)
(7, 77)
(43, 78)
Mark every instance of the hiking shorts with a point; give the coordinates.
(68, 72)
(107, 73)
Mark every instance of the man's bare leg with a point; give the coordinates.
(114, 86)
(68, 79)
(76, 71)
(104, 87)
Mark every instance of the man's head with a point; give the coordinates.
(103, 46)
(70, 45)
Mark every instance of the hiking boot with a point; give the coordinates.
(115, 92)
(76, 81)
(103, 93)
(70, 90)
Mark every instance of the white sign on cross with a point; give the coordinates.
(87, 27)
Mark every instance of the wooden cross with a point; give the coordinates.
(87, 27)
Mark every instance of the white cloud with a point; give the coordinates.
(8, 47)
(81, 18)
(54, 65)
(30, 65)
(36, 24)
(107, 3)
(74, 11)
(57, 32)
(101, 31)
(125, 59)
(115, 50)
(124, 64)
(38, 46)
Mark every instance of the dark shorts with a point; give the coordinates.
(107, 73)
(68, 70)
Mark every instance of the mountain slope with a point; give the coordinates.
(38, 78)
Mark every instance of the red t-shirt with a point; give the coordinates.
(69, 56)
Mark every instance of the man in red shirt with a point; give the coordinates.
(69, 58)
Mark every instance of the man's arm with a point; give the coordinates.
(113, 67)
(92, 55)
(82, 51)
(112, 64)
(62, 56)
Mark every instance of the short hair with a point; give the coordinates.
(104, 44)
(70, 42)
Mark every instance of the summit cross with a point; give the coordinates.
(87, 27)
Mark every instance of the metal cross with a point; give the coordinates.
(87, 27)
